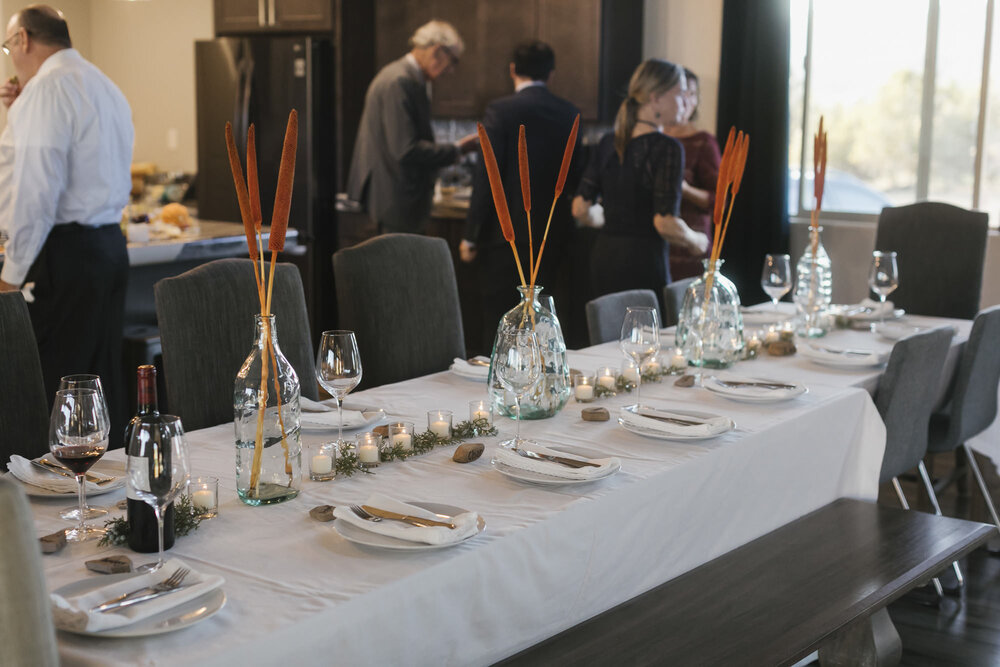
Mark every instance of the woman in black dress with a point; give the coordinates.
(637, 172)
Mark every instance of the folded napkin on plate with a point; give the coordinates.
(309, 405)
(466, 523)
(73, 612)
(21, 468)
(464, 368)
(514, 460)
(743, 386)
(870, 309)
(646, 419)
(352, 419)
(846, 357)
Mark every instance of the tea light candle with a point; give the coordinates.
(368, 453)
(678, 360)
(630, 373)
(401, 434)
(480, 410)
(480, 414)
(607, 381)
(584, 392)
(653, 367)
(321, 464)
(204, 493)
(203, 499)
(439, 423)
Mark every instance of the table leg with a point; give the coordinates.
(872, 642)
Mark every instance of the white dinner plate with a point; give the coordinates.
(663, 435)
(846, 361)
(327, 421)
(759, 318)
(352, 533)
(753, 394)
(532, 477)
(102, 467)
(183, 615)
(893, 330)
(867, 314)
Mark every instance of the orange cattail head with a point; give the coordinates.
(819, 164)
(241, 192)
(722, 184)
(286, 178)
(252, 185)
(740, 161)
(567, 156)
(522, 159)
(496, 185)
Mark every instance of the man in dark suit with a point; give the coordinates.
(547, 121)
(396, 158)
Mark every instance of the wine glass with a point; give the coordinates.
(158, 469)
(84, 381)
(338, 368)
(776, 279)
(883, 277)
(640, 338)
(517, 362)
(78, 438)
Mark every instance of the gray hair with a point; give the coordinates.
(434, 33)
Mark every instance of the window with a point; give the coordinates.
(903, 88)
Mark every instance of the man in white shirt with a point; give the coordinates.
(65, 157)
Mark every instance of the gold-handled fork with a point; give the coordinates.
(49, 466)
(405, 518)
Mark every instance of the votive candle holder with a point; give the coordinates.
(439, 422)
(323, 461)
(401, 435)
(204, 492)
(583, 388)
(369, 449)
(607, 378)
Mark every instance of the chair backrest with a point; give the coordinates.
(27, 636)
(605, 313)
(673, 299)
(941, 251)
(398, 293)
(973, 405)
(206, 319)
(905, 397)
(24, 411)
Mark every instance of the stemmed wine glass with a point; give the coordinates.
(84, 381)
(78, 438)
(640, 338)
(776, 279)
(883, 277)
(517, 362)
(338, 368)
(158, 469)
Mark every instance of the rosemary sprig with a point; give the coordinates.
(186, 519)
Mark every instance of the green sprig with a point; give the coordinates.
(186, 519)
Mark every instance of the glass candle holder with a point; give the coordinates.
(323, 461)
(583, 388)
(439, 423)
(204, 492)
(369, 449)
(630, 373)
(654, 368)
(480, 410)
(678, 364)
(401, 435)
(606, 379)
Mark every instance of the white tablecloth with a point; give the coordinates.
(550, 557)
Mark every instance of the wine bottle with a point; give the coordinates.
(142, 529)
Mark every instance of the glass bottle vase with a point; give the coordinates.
(710, 325)
(266, 409)
(554, 387)
(813, 287)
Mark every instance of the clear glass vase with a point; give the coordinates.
(266, 409)
(813, 287)
(554, 387)
(710, 325)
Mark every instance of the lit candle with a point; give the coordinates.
(678, 360)
(203, 499)
(631, 373)
(321, 464)
(772, 335)
(368, 454)
(480, 414)
(584, 392)
(607, 381)
(441, 428)
(653, 367)
(404, 440)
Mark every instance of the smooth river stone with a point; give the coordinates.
(53, 543)
(381, 430)
(110, 565)
(684, 381)
(468, 452)
(322, 513)
(595, 414)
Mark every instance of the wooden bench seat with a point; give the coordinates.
(820, 582)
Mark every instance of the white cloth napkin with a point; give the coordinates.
(73, 612)
(751, 391)
(327, 420)
(553, 469)
(711, 426)
(826, 356)
(309, 405)
(21, 468)
(471, 371)
(869, 309)
(466, 523)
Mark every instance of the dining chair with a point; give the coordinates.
(206, 319)
(905, 399)
(27, 636)
(941, 251)
(24, 411)
(673, 299)
(398, 293)
(972, 406)
(605, 313)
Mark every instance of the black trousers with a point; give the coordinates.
(80, 277)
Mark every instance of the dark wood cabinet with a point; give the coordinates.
(597, 45)
(243, 17)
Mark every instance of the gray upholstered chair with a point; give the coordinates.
(941, 251)
(905, 399)
(24, 411)
(398, 293)
(973, 403)
(206, 318)
(26, 633)
(605, 313)
(673, 299)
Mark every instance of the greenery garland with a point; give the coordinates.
(186, 519)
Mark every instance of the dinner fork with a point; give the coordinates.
(367, 516)
(170, 583)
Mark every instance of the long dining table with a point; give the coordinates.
(549, 557)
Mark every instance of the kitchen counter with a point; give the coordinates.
(213, 240)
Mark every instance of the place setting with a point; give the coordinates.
(752, 389)
(476, 368)
(338, 371)
(384, 522)
(843, 357)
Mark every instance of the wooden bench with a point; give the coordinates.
(821, 582)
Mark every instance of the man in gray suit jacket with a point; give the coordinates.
(396, 158)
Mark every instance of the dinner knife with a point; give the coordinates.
(572, 463)
(45, 464)
(396, 516)
(110, 606)
(746, 383)
(833, 350)
(672, 420)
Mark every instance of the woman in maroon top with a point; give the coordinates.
(701, 170)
